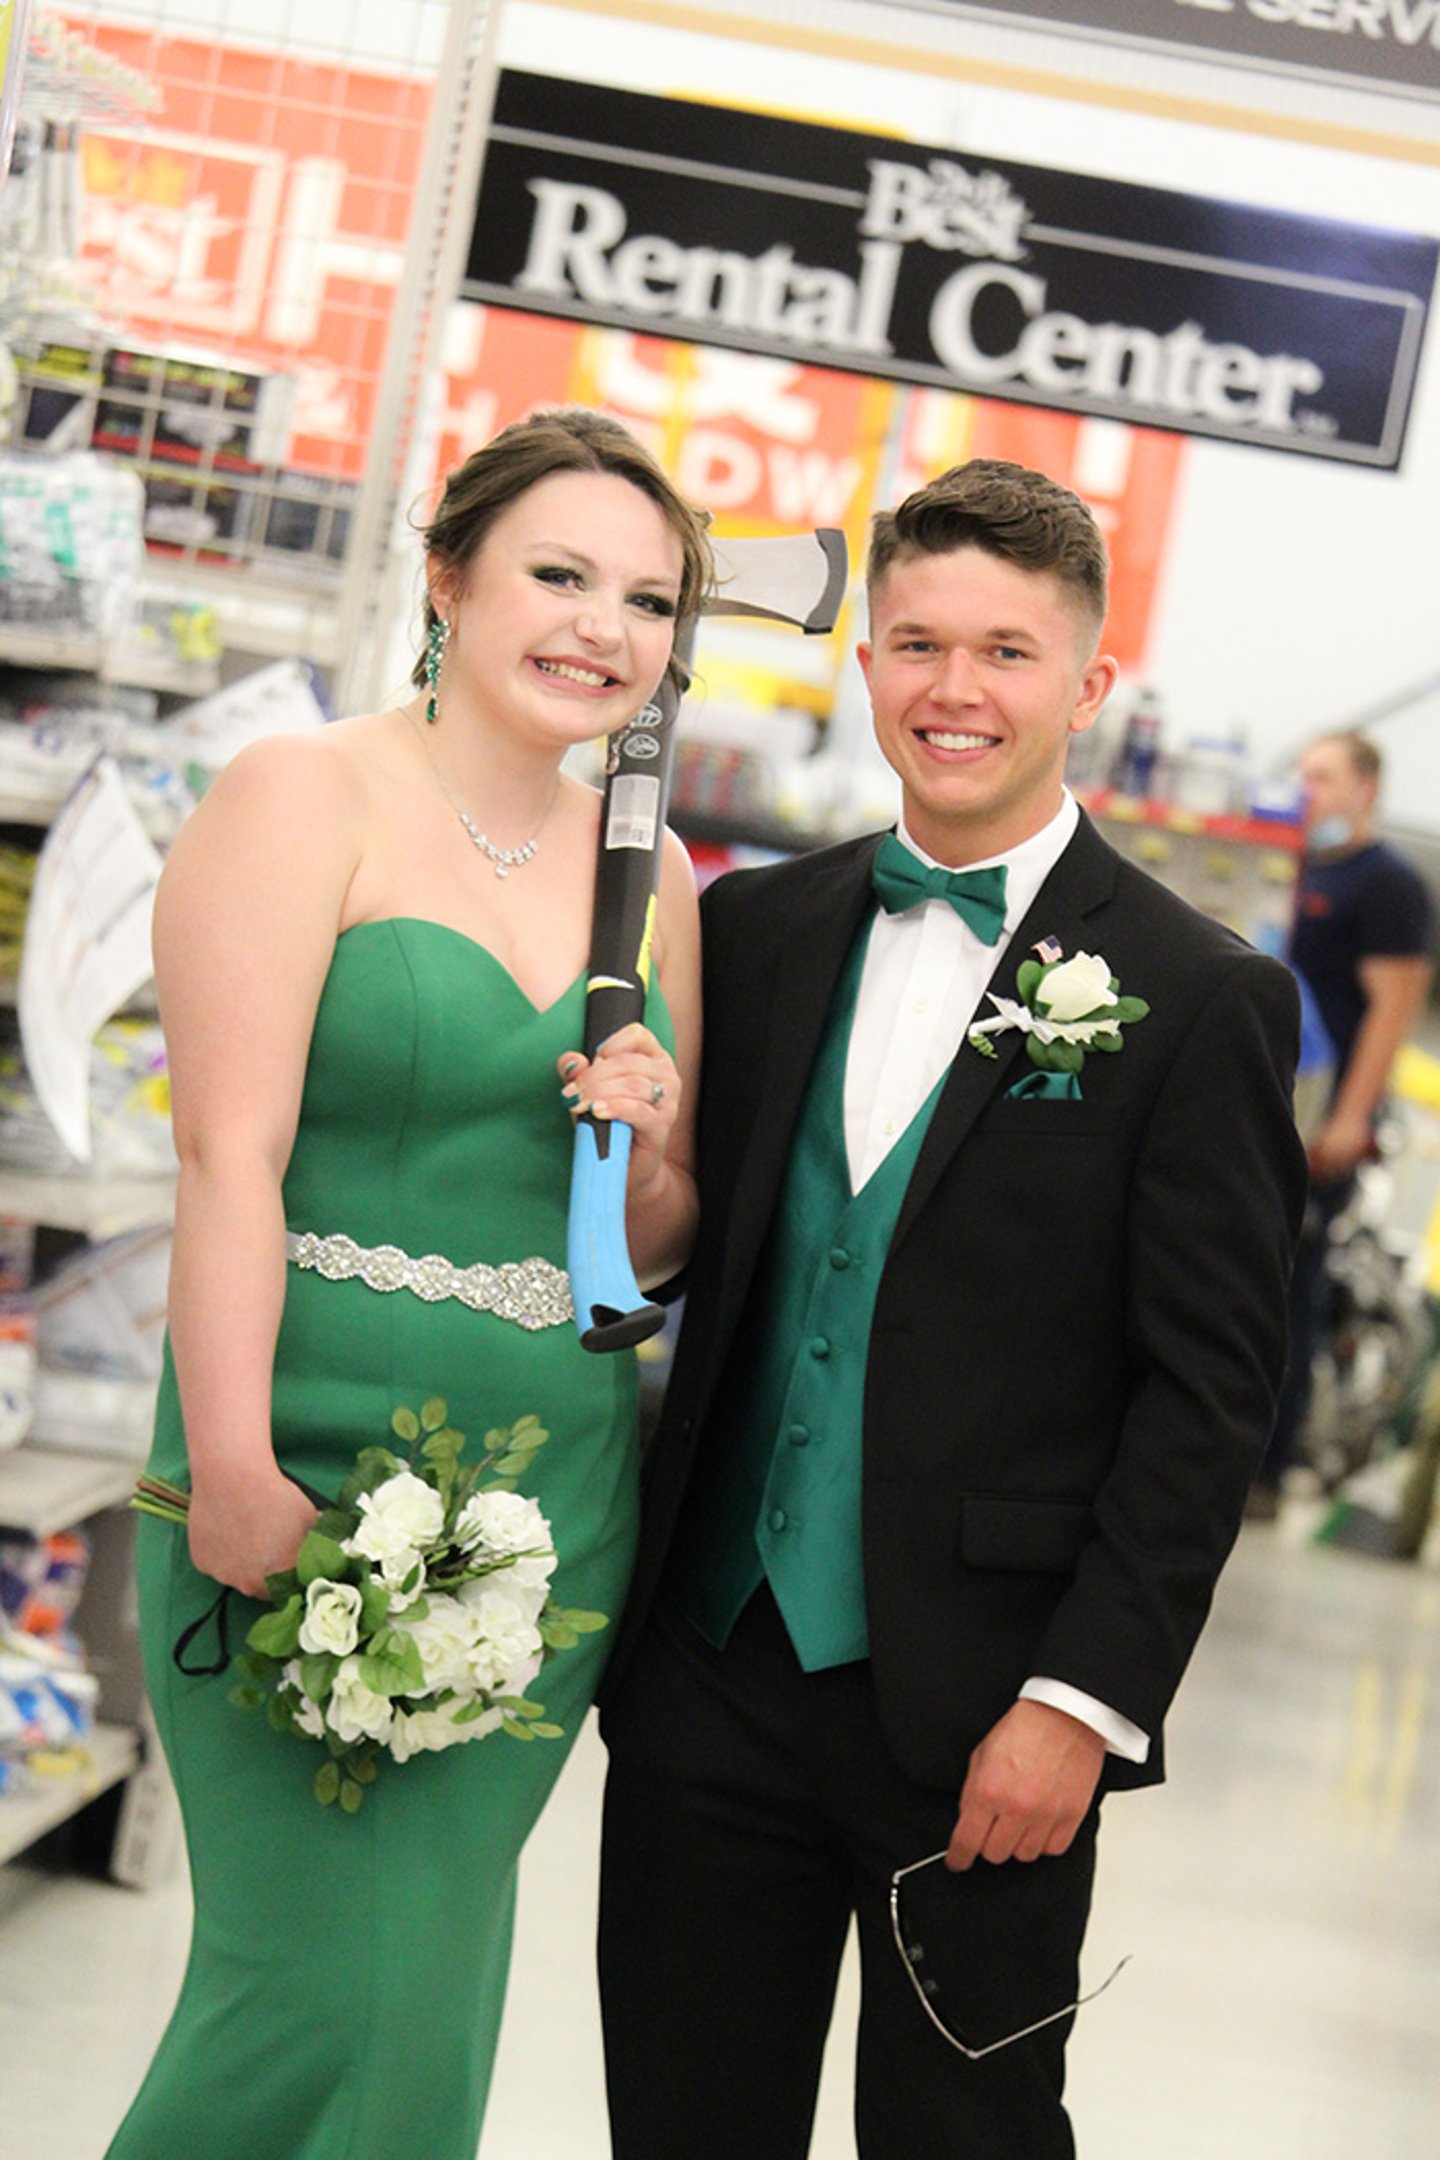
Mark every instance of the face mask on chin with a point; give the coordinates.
(1335, 831)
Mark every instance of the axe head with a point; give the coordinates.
(793, 578)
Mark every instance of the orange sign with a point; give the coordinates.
(262, 217)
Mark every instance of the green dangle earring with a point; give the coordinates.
(434, 652)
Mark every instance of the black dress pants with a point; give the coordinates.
(750, 1809)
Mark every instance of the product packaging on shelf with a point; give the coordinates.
(71, 551)
(17, 1331)
(99, 1331)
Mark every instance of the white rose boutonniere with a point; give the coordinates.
(1064, 1009)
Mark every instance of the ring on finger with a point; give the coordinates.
(657, 1094)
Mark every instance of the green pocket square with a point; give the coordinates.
(1045, 1087)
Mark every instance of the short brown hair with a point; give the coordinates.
(1005, 510)
(1365, 759)
(567, 438)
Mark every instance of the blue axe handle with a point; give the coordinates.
(611, 1310)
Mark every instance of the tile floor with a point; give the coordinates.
(1281, 1898)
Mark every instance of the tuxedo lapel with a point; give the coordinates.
(819, 930)
(1082, 879)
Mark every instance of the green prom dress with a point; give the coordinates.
(346, 1975)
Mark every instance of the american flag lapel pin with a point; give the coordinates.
(1049, 949)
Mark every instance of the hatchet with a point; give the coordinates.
(797, 579)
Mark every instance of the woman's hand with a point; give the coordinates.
(246, 1526)
(634, 1079)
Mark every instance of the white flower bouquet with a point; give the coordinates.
(418, 1611)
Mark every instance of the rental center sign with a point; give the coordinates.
(931, 266)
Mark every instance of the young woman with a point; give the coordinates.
(370, 948)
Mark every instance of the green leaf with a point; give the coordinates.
(327, 1784)
(351, 1795)
(320, 1559)
(558, 1635)
(518, 1706)
(1131, 1008)
(362, 1769)
(472, 1712)
(281, 1714)
(502, 1484)
(516, 1730)
(280, 1587)
(516, 1461)
(434, 1413)
(1108, 1043)
(1028, 979)
(395, 1669)
(317, 1671)
(277, 1634)
(1066, 1057)
(584, 1623)
(548, 1732)
(405, 1425)
(372, 1466)
(246, 1696)
(335, 1522)
(374, 1606)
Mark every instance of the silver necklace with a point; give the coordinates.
(502, 859)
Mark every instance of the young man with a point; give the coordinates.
(1364, 927)
(978, 1358)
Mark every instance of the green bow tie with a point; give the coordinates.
(978, 896)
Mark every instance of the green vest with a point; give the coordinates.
(779, 1495)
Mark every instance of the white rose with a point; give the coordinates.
(1075, 988)
(507, 1652)
(402, 1514)
(307, 1714)
(501, 1522)
(445, 1638)
(420, 1732)
(396, 1569)
(332, 1616)
(356, 1711)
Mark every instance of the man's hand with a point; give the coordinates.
(1342, 1142)
(1029, 1787)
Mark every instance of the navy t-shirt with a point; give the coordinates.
(1369, 905)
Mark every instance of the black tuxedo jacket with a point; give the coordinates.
(1080, 1328)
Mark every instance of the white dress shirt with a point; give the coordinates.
(923, 980)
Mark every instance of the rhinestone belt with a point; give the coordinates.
(533, 1293)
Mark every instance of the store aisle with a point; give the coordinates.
(1281, 1899)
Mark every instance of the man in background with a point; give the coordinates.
(1363, 933)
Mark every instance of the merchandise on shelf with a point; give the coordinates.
(52, 727)
(71, 551)
(207, 439)
(129, 1108)
(17, 1331)
(99, 1331)
(47, 1698)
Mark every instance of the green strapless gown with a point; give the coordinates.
(346, 1975)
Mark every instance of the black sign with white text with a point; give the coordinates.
(922, 265)
(1382, 44)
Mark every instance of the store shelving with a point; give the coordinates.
(43, 1490)
(97, 1207)
(111, 1754)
